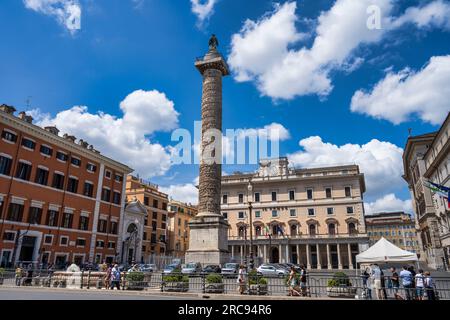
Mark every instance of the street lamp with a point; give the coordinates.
(249, 199)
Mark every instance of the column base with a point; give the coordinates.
(330, 267)
(340, 268)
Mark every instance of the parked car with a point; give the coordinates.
(230, 269)
(171, 268)
(192, 268)
(212, 268)
(272, 270)
(147, 267)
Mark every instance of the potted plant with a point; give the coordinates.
(340, 286)
(257, 284)
(214, 283)
(176, 282)
(135, 280)
(2, 276)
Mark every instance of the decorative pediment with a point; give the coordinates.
(351, 219)
(332, 220)
(136, 207)
(293, 222)
(274, 222)
(312, 221)
(258, 223)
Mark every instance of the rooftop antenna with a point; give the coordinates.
(28, 102)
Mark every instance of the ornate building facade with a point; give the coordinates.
(426, 158)
(61, 201)
(397, 227)
(154, 237)
(180, 214)
(313, 217)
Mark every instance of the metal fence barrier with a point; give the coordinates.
(315, 285)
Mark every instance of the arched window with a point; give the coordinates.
(312, 229)
(294, 230)
(351, 228)
(275, 229)
(332, 228)
(258, 231)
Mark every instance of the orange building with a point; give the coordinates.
(61, 201)
(180, 214)
(154, 240)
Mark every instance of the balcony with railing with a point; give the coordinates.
(300, 236)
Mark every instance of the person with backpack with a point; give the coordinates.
(395, 282)
(303, 280)
(115, 277)
(407, 282)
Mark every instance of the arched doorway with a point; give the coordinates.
(275, 255)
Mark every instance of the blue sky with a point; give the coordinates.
(130, 63)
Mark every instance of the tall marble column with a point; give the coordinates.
(339, 256)
(319, 262)
(308, 257)
(208, 242)
(298, 254)
(330, 266)
(350, 262)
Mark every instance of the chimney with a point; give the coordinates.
(53, 130)
(28, 118)
(7, 109)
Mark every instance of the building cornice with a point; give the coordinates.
(43, 134)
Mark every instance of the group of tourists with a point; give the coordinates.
(297, 282)
(406, 285)
(112, 277)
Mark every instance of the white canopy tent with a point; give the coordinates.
(385, 252)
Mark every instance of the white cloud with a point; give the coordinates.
(381, 162)
(263, 51)
(400, 95)
(123, 139)
(187, 193)
(388, 203)
(434, 14)
(203, 9)
(66, 12)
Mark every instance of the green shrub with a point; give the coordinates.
(214, 278)
(254, 278)
(2, 272)
(340, 279)
(135, 276)
(175, 278)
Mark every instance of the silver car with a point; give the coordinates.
(192, 268)
(230, 269)
(272, 270)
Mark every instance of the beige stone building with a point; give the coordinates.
(426, 158)
(155, 223)
(313, 217)
(397, 227)
(180, 214)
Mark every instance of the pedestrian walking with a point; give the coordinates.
(367, 293)
(29, 279)
(115, 277)
(292, 282)
(395, 283)
(383, 284)
(376, 277)
(18, 276)
(413, 274)
(107, 280)
(429, 286)
(241, 279)
(407, 282)
(303, 280)
(419, 284)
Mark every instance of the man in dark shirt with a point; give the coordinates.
(395, 282)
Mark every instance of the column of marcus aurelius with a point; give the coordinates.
(208, 240)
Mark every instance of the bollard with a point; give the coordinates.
(82, 279)
(89, 280)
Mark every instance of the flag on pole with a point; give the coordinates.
(440, 190)
(267, 231)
